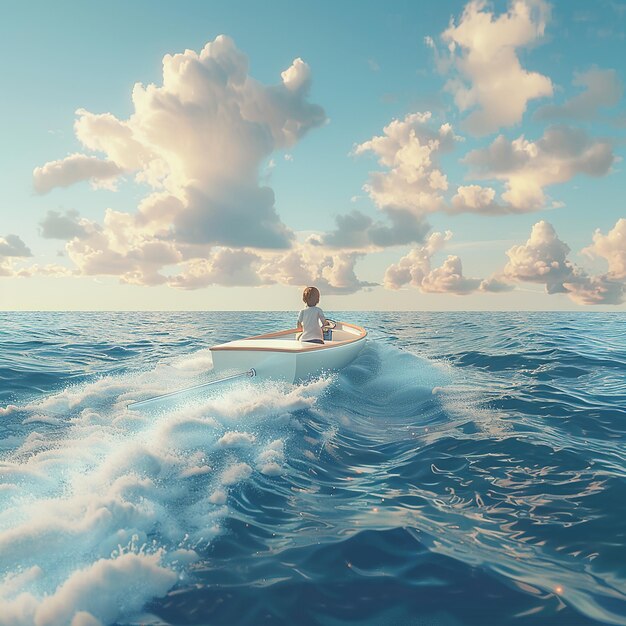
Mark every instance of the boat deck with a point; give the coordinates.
(283, 345)
(287, 340)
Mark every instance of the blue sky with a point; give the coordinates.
(525, 179)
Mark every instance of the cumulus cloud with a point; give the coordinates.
(602, 88)
(333, 272)
(590, 290)
(199, 141)
(415, 266)
(225, 267)
(476, 199)
(527, 167)
(62, 226)
(543, 259)
(73, 169)
(408, 188)
(121, 247)
(449, 279)
(612, 248)
(496, 284)
(409, 150)
(415, 270)
(488, 78)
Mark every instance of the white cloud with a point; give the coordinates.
(225, 267)
(409, 150)
(333, 272)
(476, 199)
(591, 290)
(199, 140)
(449, 279)
(297, 76)
(496, 284)
(602, 88)
(612, 248)
(338, 275)
(543, 259)
(527, 167)
(415, 270)
(415, 266)
(122, 247)
(489, 79)
(73, 169)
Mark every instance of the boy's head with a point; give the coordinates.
(311, 296)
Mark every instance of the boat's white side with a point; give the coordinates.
(282, 356)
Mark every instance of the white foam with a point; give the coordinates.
(236, 473)
(235, 438)
(102, 592)
(271, 460)
(110, 477)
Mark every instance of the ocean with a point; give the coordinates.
(465, 469)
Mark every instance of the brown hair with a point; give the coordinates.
(311, 296)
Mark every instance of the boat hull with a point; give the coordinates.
(280, 356)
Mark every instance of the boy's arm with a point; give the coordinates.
(300, 320)
(322, 318)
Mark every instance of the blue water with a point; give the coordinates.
(467, 468)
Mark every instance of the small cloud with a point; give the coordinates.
(73, 169)
(62, 226)
(13, 246)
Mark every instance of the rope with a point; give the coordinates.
(250, 373)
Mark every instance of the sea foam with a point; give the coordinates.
(91, 522)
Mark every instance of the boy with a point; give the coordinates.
(311, 316)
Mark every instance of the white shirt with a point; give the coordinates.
(310, 318)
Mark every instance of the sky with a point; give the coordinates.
(399, 155)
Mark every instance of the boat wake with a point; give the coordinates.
(97, 499)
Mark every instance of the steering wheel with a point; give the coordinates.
(330, 325)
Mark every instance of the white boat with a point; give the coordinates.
(282, 356)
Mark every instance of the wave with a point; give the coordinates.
(371, 495)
